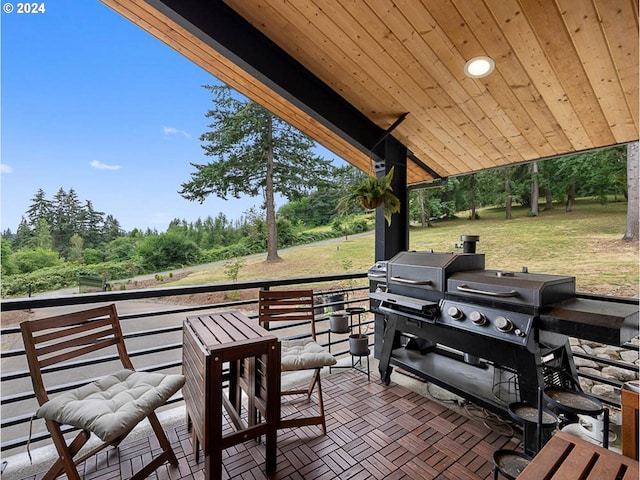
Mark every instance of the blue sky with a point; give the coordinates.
(92, 102)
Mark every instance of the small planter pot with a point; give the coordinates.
(338, 297)
(339, 323)
(359, 345)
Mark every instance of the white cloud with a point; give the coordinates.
(4, 168)
(103, 166)
(174, 131)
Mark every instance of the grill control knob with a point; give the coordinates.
(455, 312)
(503, 324)
(478, 318)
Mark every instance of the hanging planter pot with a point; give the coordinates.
(339, 323)
(371, 192)
(371, 203)
(359, 344)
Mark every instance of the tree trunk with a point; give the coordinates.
(272, 232)
(535, 190)
(473, 196)
(507, 190)
(633, 177)
(548, 198)
(420, 195)
(571, 195)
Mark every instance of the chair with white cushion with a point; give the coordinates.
(298, 354)
(109, 407)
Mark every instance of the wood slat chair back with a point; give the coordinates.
(288, 306)
(57, 340)
(298, 306)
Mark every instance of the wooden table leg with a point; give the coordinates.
(273, 405)
(630, 419)
(213, 455)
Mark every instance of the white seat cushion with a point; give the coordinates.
(304, 355)
(113, 405)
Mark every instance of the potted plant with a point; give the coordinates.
(339, 322)
(372, 192)
(359, 343)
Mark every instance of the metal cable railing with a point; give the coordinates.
(157, 346)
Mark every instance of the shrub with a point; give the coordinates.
(120, 249)
(167, 250)
(64, 276)
(91, 256)
(27, 261)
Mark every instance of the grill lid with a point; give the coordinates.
(532, 289)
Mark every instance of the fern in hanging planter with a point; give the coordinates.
(372, 192)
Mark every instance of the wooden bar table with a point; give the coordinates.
(567, 457)
(253, 356)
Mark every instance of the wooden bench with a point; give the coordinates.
(253, 357)
(88, 283)
(567, 457)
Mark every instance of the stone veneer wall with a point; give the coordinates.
(609, 352)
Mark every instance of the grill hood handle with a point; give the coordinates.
(377, 275)
(467, 289)
(411, 282)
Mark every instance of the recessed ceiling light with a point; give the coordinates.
(479, 67)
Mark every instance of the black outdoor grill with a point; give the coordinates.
(489, 336)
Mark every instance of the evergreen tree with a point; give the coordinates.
(111, 229)
(76, 248)
(6, 257)
(40, 208)
(254, 153)
(23, 237)
(91, 225)
(42, 236)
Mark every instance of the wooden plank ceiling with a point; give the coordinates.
(566, 76)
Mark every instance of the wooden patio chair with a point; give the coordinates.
(298, 354)
(109, 407)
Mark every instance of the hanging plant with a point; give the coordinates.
(372, 192)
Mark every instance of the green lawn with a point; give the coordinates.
(585, 243)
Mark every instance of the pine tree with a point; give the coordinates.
(254, 153)
(40, 208)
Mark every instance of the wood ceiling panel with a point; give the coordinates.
(552, 32)
(420, 94)
(566, 76)
(426, 118)
(336, 39)
(620, 23)
(583, 23)
(422, 64)
(433, 49)
(194, 49)
(453, 48)
(518, 97)
(531, 55)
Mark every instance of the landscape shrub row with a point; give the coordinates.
(64, 276)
